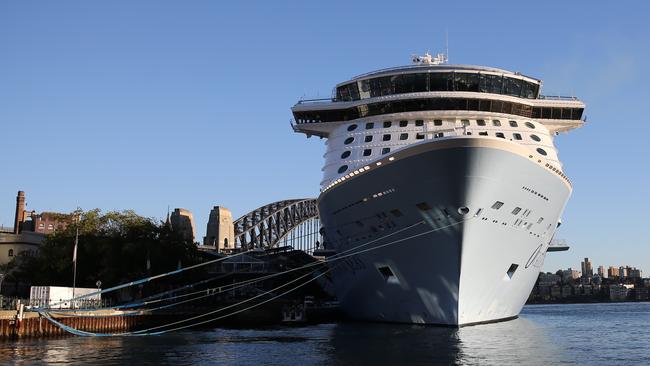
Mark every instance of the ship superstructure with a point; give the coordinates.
(455, 164)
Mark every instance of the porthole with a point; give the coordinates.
(367, 152)
(530, 125)
(541, 151)
(403, 123)
(516, 136)
(496, 123)
(419, 136)
(513, 124)
(386, 137)
(343, 168)
(419, 123)
(480, 122)
(463, 210)
(352, 127)
(348, 141)
(465, 122)
(385, 150)
(370, 125)
(403, 136)
(535, 138)
(345, 154)
(387, 124)
(368, 138)
(437, 122)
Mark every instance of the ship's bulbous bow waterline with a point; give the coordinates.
(449, 232)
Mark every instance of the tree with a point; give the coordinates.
(114, 247)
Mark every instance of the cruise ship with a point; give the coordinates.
(442, 189)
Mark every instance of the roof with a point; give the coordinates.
(436, 68)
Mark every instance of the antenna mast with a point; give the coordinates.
(447, 43)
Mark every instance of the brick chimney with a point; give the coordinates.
(20, 208)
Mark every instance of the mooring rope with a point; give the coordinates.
(336, 257)
(229, 287)
(143, 280)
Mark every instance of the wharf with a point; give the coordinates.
(32, 324)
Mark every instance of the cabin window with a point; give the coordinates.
(368, 138)
(343, 168)
(497, 205)
(500, 135)
(516, 210)
(517, 136)
(370, 125)
(348, 141)
(385, 150)
(387, 124)
(541, 151)
(483, 133)
(513, 124)
(480, 122)
(367, 152)
(345, 154)
(465, 122)
(535, 138)
(352, 127)
(439, 134)
(10, 253)
(419, 136)
(496, 123)
(419, 122)
(386, 137)
(437, 122)
(403, 123)
(403, 136)
(529, 125)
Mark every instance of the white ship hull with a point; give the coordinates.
(421, 257)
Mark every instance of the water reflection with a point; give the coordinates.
(514, 342)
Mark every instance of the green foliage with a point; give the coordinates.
(114, 247)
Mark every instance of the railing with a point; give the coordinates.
(557, 97)
(317, 100)
(10, 302)
(65, 303)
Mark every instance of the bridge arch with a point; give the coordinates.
(292, 222)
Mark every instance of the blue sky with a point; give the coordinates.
(144, 104)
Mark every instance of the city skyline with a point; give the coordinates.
(173, 108)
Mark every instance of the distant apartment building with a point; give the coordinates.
(587, 269)
(570, 274)
(612, 272)
(633, 272)
(622, 272)
(548, 279)
(618, 292)
(601, 272)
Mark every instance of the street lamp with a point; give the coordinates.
(74, 257)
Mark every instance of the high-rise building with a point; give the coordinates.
(220, 231)
(622, 272)
(601, 272)
(612, 272)
(587, 269)
(182, 221)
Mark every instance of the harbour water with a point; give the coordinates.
(581, 334)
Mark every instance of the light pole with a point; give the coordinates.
(74, 259)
